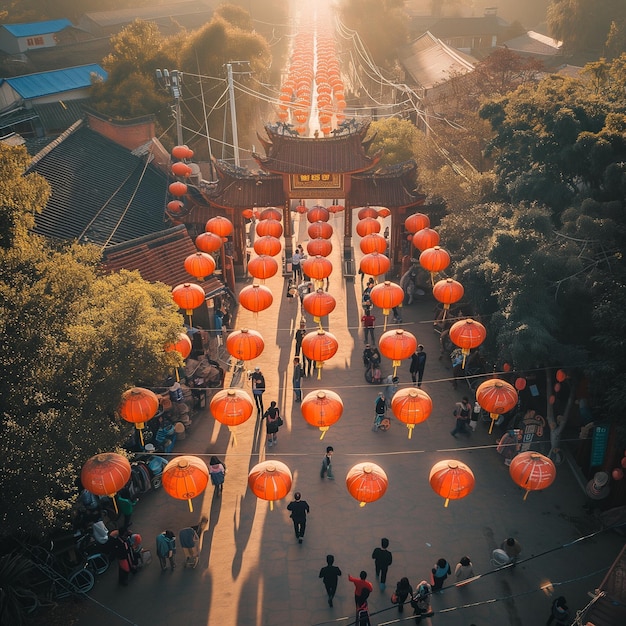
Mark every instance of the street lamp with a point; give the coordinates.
(172, 82)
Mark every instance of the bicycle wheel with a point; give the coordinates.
(98, 563)
(81, 581)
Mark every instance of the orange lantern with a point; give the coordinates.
(411, 406)
(451, 480)
(383, 212)
(336, 208)
(322, 409)
(467, 335)
(375, 264)
(319, 247)
(301, 208)
(416, 222)
(396, 345)
(532, 471)
(318, 268)
(273, 228)
(188, 296)
(434, 260)
(220, 226)
(139, 406)
(185, 477)
(319, 346)
(386, 296)
(270, 480)
(263, 267)
(199, 265)
(182, 152)
(317, 213)
(425, 238)
(320, 229)
(255, 298)
(244, 344)
(520, 384)
(560, 375)
(231, 407)
(448, 291)
(367, 226)
(182, 345)
(318, 304)
(497, 397)
(175, 208)
(105, 474)
(373, 243)
(181, 169)
(178, 189)
(208, 242)
(367, 211)
(270, 246)
(248, 214)
(366, 482)
(271, 214)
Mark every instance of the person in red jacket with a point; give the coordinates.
(361, 584)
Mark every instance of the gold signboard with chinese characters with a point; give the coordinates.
(316, 185)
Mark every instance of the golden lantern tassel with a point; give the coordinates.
(445, 310)
(494, 417)
(234, 434)
(140, 434)
(465, 352)
(396, 365)
(432, 278)
(386, 314)
(410, 428)
(526, 494)
(112, 496)
(271, 505)
(190, 506)
(324, 430)
(445, 504)
(362, 504)
(319, 366)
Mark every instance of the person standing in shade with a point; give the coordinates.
(418, 363)
(441, 571)
(362, 587)
(296, 379)
(512, 547)
(295, 266)
(166, 549)
(272, 423)
(258, 389)
(330, 576)
(300, 333)
(189, 542)
(464, 569)
(327, 467)
(299, 510)
(382, 560)
(368, 321)
(463, 414)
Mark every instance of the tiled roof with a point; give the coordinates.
(341, 154)
(465, 26)
(392, 187)
(101, 192)
(160, 257)
(42, 84)
(534, 43)
(59, 116)
(37, 28)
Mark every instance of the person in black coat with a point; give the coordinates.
(330, 576)
(299, 509)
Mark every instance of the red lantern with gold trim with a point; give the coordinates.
(367, 226)
(248, 214)
(208, 242)
(467, 335)
(270, 213)
(105, 474)
(366, 482)
(319, 304)
(256, 298)
(318, 268)
(182, 345)
(373, 243)
(301, 208)
(322, 409)
(269, 246)
(185, 477)
(425, 238)
(367, 211)
(270, 480)
(497, 397)
(199, 265)
(416, 222)
(231, 407)
(263, 267)
(320, 229)
(273, 228)
(375, 264)
(336, 208)
(397, 345)
(434, 260)
(448, 291)
(317, 213)
(411, 406)
(386, 296)
(384, 212)
(244, 344)
(319, 247)
(532, 471)
(139, 406)
(220, 226)
(451, 480)
(188, 296)
(319, 346)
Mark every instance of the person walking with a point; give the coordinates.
(463, 414)
(330, 577)
(300, 333)
(382, 560)
(272, 423)
(441, 571)
(258, 389)
(327, 467)
(126, 504)
(296, 379)
(189, 542)
(464, 569)
(299, 510)
(362, 588)
(123, 553)
(402, 592)
(418, 363)
(217, 472)
(295, 266)
(380, 409)
(559, 611)
(166, 549)
(512, 548)
(368, 321)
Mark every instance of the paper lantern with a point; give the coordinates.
(231, 407)
(248, 214)
(255, 298)
(244, 344)
(182, 152)
(271, 228)
(520, 384)
(397, 345)
(270, 213)
(200, 265)
(560, 375)
(383, 212)
(367, 226)
(319, 304)
(425, 238)
(447, 291)
(434, 260)
(467, 335)
(317, 213)
(208, 242)
(411, 406)
(175, 207)
(178, 189)
(366, 482)
(375, 264)
(263, 267)
(319, 346)
(386, 296)
(617, 473)
(367, 211)
(451, 480)
(321, 409)
(220, 226)
(105, 474)
(416, 222)
(267, 245)
(497, 397)
(185, 477)
(320, 229)
(373, 243)
(188, 296)
(319, 247)
(181, 169)
(532, 471)
(301, 208)
(182, 345)
(270, 480)
(139, 406)
(318, 268)
(336, 208)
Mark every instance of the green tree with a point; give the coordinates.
(398, 138)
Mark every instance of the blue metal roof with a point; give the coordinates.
(37, 28)
(56, 81)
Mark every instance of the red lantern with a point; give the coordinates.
(271, 214)
(255, 298)
(200, 265)
(425, 238)
(208, 242)
(220, 226)
(273, 228)
(185, 477)
(322, 409)
(320, 229)
(319, 346)
(182, 152)
(411, 406)
(139, 406)
(384, 212)
(319, 304)
(301, 208)
(175, 207)
(467, 335)
(520, 384)
(367, 226)
(318, 268)
(367, 211)
(178, 189)
(375, 264)
(532, 471)
(617, 473)
(373, 243)
(231, 407)
(319, 247)
(366, 482)
(181, 169)
(270, 480)
(188, 296)
(416, 222)
(263, 267)
(105, 474)
(182, 345)
(336, 208)
(434, 260)
(451, 480)
(317, 213)
(561, 375)
(497, 397)
(270, 246)
(386, 296)
(248, 214)
(244, 344)
(397, 345)
(448, 291)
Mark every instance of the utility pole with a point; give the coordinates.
(233, 112)
(172, 82)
